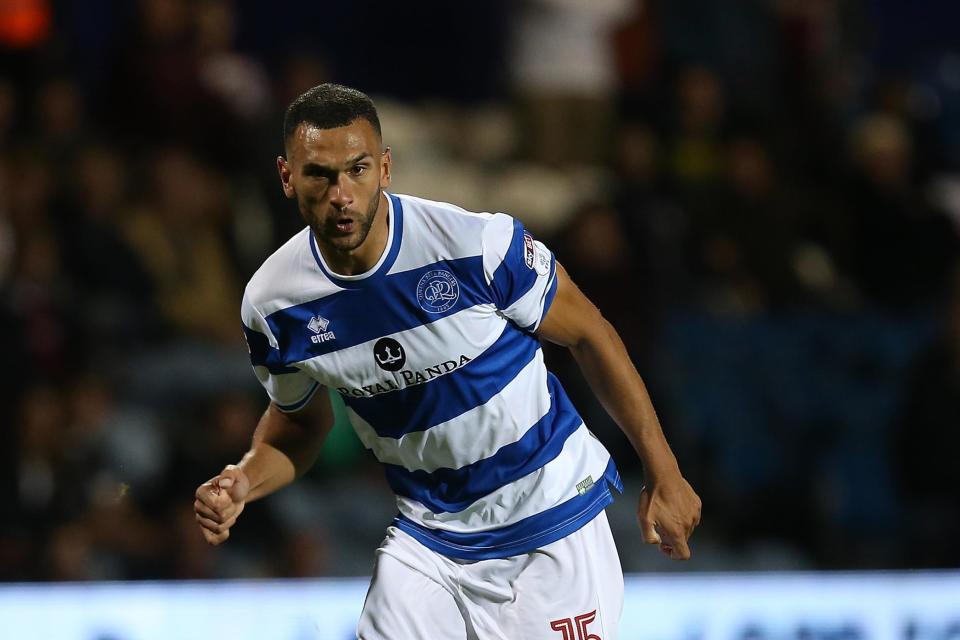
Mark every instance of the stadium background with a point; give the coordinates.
(762, 195)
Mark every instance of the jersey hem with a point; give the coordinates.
(456, 545)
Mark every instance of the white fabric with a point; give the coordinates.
(419, 594)
(468, 332)
(457, 442)
(582, 457)
(503, 278)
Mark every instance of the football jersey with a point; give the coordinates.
(434, 353)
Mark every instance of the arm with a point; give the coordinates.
(284, 446)
(669, 509)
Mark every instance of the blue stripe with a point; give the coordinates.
(263, 355)
(452, 490)
(548, 295)
(397, 233)
(513, 277)
(521, 537)
(362, 314)
(300, 404)
(419, 407)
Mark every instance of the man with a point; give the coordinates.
(426, 319)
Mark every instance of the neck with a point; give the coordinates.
(360, 260)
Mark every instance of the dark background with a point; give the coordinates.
(763, 197)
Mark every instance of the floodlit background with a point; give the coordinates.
(763, 196)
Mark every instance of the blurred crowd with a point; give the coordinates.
(763, 196)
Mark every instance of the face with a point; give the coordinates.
(337, 176)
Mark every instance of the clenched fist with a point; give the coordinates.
(219, 501)
(668, 512)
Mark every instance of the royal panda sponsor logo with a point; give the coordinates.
(405, 378)
(389, 354)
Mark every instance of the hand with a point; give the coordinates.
(668, 512)
(219, 501)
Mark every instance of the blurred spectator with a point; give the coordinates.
(895, 246)
(117, 291)
(564, 76)
(694, 149)
(178, 235)
(748, 239)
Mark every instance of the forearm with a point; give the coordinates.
(284, 446)
(604, 361)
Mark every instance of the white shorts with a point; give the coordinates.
(571, 589)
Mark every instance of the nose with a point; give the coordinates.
(341, 195)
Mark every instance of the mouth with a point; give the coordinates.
(345, 225)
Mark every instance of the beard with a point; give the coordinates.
(327, 232)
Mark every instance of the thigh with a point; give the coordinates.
(571, 589)
(407, 598)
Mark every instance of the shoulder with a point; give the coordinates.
(441, 218)
(288, 277)
(452, 224)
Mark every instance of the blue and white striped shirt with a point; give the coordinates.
(434, 355)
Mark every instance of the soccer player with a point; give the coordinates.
(427, 320)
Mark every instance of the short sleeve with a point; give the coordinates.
(288, 387)
(520, 270)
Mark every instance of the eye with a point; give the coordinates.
(358, 170)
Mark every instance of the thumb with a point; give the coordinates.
(650, 535)
(234, 481)
(648, 526)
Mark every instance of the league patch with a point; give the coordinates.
(541, 260)
(437, 291)
(529, 250)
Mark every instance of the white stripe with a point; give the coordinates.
(497, 236)
(443, 231)
(289, 278)
(285, 389)
(467, 332)
(549, 486)
(471, 436)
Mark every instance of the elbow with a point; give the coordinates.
(597, 331)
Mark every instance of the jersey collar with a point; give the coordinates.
(387, 258)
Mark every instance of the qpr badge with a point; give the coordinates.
(437, 291)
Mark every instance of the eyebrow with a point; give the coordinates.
(325, 170)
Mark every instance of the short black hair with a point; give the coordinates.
(328, 106)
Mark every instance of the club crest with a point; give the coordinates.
(437, 291)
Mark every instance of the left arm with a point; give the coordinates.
(669, 509)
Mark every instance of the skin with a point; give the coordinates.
(338, 176)
(321, 172)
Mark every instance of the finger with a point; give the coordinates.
(681, 551)
(206, 511)
(222, 508)
(215, 538)
(208, 524)
(209, 494)
(216, 527)
(649, 529)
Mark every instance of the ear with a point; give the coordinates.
(285, 174)
(386, 161)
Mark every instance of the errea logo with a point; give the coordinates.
(319, 324)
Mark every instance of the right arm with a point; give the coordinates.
(284, 446)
